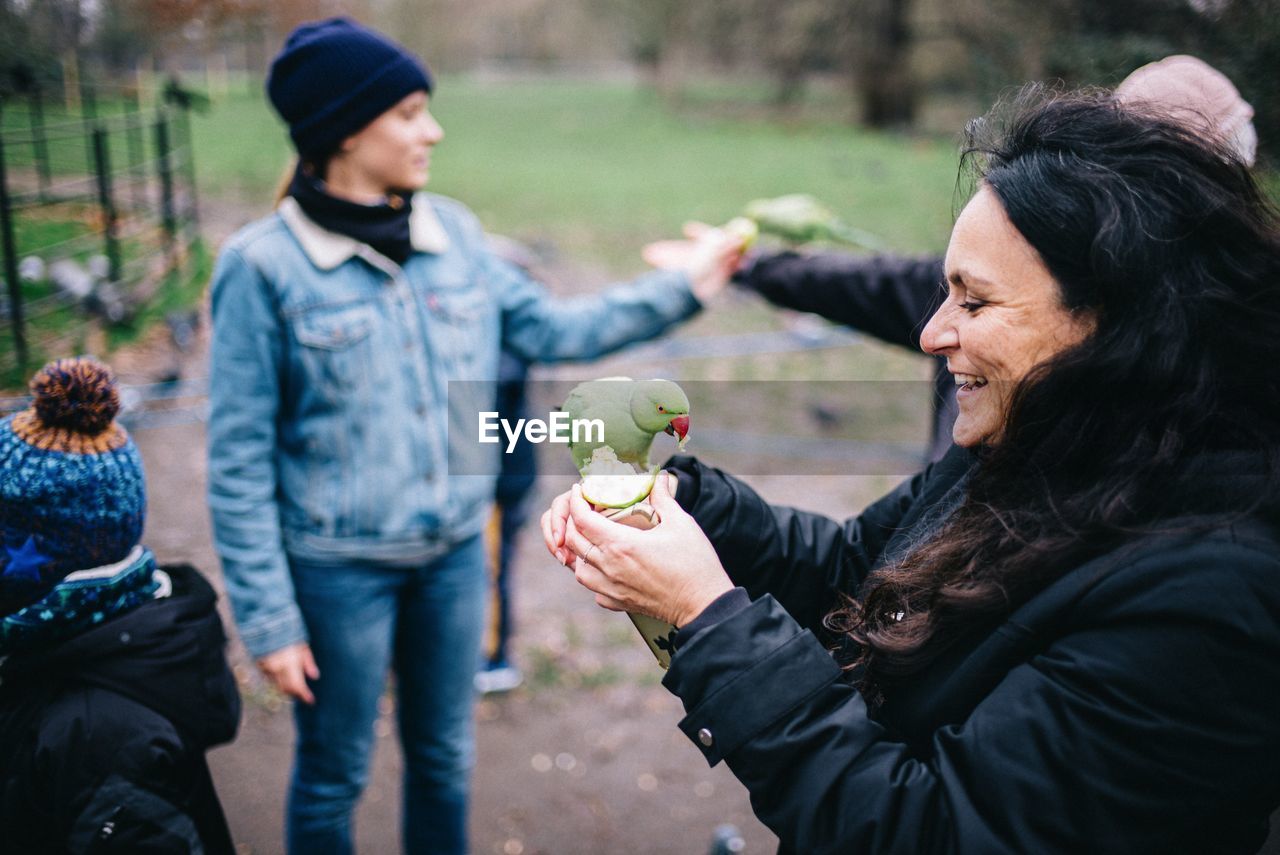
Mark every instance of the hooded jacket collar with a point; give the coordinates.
(167, 655)
(83, 600)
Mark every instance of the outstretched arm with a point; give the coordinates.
(887, 296)
(536, 326)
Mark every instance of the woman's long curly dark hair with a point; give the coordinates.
(1167, 241)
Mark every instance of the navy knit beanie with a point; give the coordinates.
(334, 77)
(72, 495)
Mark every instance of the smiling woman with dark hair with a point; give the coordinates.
(1065, 635)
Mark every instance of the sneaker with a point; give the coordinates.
(494, 677)
(727, 841)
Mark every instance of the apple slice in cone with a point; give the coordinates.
(607, 482)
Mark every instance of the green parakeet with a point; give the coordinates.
(800, 218)
(633, 412)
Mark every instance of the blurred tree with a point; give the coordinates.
(881, 62)
(731, 32)
(655, 32)
(796, 39)
(35, 39)
(961, 52)
(1244, 42)
(284, 15)
(121, 37)
(1004, 43)
(435, 29)
(1098, 42)
(56, 26)
(25, 64)
(171, 27)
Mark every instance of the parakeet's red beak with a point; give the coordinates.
(678, 427)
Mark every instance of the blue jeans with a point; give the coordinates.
(425, 623)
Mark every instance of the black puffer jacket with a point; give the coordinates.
(103, 738)
(1133, 705)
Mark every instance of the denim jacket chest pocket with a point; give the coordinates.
(465, 318)
(335, 344)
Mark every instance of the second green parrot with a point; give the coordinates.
(800, 218)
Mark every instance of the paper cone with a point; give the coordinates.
(658, 634)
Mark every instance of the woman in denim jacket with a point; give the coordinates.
(338, 323)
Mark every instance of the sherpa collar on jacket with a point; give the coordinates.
(328, 250)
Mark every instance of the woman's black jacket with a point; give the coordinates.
(1133, 705)
(103, 737)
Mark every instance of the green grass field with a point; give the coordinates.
(600, 168)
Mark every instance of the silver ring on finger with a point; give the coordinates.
(587, 556)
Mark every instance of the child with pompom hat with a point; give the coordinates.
(113, 679)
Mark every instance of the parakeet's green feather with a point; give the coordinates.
(632, 411)
(800, 218)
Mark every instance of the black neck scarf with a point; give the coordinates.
(384, 226)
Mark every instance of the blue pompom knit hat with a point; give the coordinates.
(334, 77)
(72, 494)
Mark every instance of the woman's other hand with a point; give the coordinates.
(709, 256)
(670, 572)
(289, 668)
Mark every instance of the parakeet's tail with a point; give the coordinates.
(854, 236)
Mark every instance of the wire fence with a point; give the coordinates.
(98, 207)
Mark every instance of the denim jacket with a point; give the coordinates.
(328, 423)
